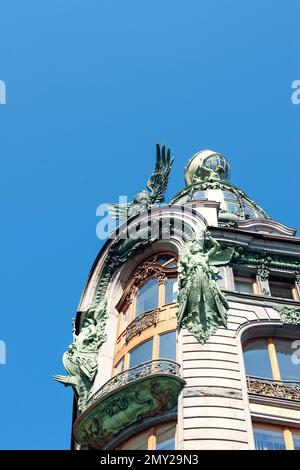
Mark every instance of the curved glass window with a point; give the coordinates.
(216, 160)
(200, 195)
(167, 346)
(250, 212)
(167, 261)
(284, 352)
(147, 298)
(141, 354)
(271, 358)
(274, 437)
(268, 439)
(229, 196)
(171, 290)
(160, 437)
(257, 360)
(232, 207)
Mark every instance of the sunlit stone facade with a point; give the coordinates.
(155, 385)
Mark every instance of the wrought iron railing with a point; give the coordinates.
(140, 323)
(284, 389)
(158, 366)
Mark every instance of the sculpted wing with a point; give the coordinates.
(158, 181)
(222, 257)
(119, 211)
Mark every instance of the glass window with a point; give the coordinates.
(147, 298)
(283, 291)
(120, 366)
(232, 207)
(251, 213)
(288, 370)
(163, 259)
(139, 442)
(142, 353)
(243, 286)
(171, 290)
(221, 278)
(167, 346)
(228, 195)
(200, 195)
(268, 439)
(165, 437)
(296, 439)
(257, 359)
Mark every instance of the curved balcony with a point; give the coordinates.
(141, 392)
(284, 390)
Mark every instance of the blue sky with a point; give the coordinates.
(92, 85)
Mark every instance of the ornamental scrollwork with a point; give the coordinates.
(289, 315)
(269, 388)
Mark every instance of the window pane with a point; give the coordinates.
(283, 291)
(228, 195)
(165, 437)
(199, 195)
(139, 442)
(257, 361)
(284, 351)
(296, 438)
(147, 298)
(232, 207)
(120, 366)
(167, 346)
(141, 354)
(171, 289)
(243, 287)
(266, 439)
(163, 259)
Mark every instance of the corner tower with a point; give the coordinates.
(185, 333)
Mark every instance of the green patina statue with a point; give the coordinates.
(202, 306)
(156, 188)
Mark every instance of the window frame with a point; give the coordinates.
(124, 353)
(152, 432)
(127, 304)
(249, 280)
(272, 355)
(287, 432)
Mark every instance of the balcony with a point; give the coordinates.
(284, 390)
(135, 394)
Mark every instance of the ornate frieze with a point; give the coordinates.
(274, 389)
(289, 315)
(264, 262)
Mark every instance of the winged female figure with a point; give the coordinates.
(155, 192)
(202, 305)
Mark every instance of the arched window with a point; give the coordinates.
(147, 297)
(160, 437)
(271, 358)
(152, 286)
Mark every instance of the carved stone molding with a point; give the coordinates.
(289, 315)
(274, 389)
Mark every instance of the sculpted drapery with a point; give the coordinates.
(202, 306)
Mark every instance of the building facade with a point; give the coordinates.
(187, 334)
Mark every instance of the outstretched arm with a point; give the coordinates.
(215, 245)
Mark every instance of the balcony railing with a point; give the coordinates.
(159, 366)
(286, 390)
(150, 389)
